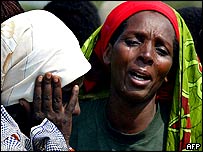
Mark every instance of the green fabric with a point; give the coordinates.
(185, 125)
(89, 43)
(92, 132)
(87, 49)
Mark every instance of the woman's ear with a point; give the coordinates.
(107, 54)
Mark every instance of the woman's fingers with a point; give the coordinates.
(37, 98)
(73, 100)
(38, 116)
(47, 93)
(48, 103)
(57, 94)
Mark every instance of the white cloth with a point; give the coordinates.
(33, 43)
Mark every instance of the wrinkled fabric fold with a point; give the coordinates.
(34, 48)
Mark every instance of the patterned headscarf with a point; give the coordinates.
(185, 124)
(33, 43)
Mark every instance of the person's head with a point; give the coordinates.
(127, 28)
(80, 16)
(9, 9)
(194, 20)
(29, 49)
(143, 43)
(140, 54)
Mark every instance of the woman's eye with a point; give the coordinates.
(132, 42)
(162, 51)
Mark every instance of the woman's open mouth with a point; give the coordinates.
(140, 78)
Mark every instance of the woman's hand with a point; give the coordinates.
(47, 102)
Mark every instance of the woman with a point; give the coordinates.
(142, 46)
(35, 43)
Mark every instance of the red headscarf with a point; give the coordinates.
(185, 120)
(124, 11)
(120, 14)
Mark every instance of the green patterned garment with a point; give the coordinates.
(89, 44)
(185, 125)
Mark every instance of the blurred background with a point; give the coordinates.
(104, 7)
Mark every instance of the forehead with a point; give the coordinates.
(150, 15)
(151, 21)
(147, 13)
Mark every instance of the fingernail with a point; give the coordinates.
(55, 79)
(48, 75)
(21, 102)
(76, 88)
(40, 78)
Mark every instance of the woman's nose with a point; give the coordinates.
(146, 54)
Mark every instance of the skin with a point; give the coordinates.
(145, 47)
(53, 107)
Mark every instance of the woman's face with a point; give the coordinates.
(142, 56)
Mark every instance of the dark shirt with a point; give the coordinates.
(92, 131)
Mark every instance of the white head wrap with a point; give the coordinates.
(33, 43)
